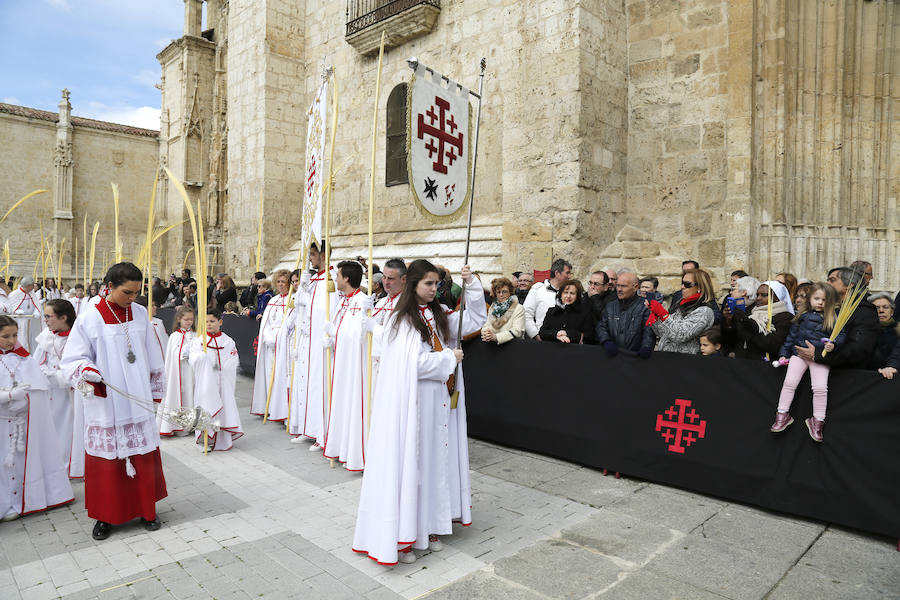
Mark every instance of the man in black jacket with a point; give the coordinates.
(862, 329)
(248, 296)
(624, 322)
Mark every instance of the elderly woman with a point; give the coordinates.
(506, 317)
(567, 322)
(749, 332)
(680, 330)
(887, 339)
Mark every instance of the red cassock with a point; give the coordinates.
(123, 475)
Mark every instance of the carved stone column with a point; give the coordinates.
(62, 205)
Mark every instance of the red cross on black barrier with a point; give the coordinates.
(680, 426)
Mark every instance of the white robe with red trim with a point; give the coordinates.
(117, 427)
(26, 310)
(215, 373)
(32, 473)
(48, 353)
(79, 304)
(272, 362)
(162, 338)
(308, 413)
(179, 379)
(345, 437)
(416, 481)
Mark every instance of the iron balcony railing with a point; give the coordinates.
(365, 13)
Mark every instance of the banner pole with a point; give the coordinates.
(327, 241)
(372, 224)
(462, 302)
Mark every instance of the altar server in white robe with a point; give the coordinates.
(393, 279)
(59, 315)
(113, 344)
(179, 374)
(270, 385)
(215, 374)
(32, 475)
(78, 300)
(345, 435)
(159, 328)
(26, 310)
(308, 416)
(416, 482)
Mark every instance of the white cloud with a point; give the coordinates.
(136, 116)
(60, 4)
(11, 100)
(146, 77)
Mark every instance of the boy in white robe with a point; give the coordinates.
(179, 374)
(32, 475)
(416, 482)
(345, 435)
(215, 374)
(308, 416)
(78, 300)
(26, 310)
(270, 385)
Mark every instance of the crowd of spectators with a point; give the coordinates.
(754, 318)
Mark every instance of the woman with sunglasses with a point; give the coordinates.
(680, 330)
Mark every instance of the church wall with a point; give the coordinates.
(678, 126)
(104, 157)
(27, 163)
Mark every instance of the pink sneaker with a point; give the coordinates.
(815, 427)
(782, 422)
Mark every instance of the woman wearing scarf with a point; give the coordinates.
(680, 330)
(506, 317)
(756, 333)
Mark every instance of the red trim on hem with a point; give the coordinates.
(31, 512)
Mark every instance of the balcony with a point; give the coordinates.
(403, 20)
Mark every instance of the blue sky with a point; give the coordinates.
(104, 51)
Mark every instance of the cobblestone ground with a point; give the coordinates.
(271, 520)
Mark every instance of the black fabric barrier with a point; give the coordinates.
(575, 403)
(243, 330)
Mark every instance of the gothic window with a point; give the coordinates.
(395, 161)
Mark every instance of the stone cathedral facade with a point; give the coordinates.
(756, 134)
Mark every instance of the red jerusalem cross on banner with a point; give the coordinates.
(439, 158)
(680, 426)
(447, 145)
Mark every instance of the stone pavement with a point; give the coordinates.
(271, 520)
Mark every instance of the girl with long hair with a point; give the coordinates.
(416, 482)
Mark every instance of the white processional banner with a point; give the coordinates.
(315, 173)
(439, 157)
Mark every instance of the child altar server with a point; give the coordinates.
(270, 386)
(345, 436)
(32, 474)
(179, 375)
(215, 373)
(59, 315)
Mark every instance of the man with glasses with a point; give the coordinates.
(543, 296)
(524, 285)
(601, 291)
(862, 329)
(864, 268)
(624, 322)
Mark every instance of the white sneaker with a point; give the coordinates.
(299, 439)
(435, 544)
(315, 448)
(13, 517)
(407, 557)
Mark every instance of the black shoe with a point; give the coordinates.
(151, 525)
(102, 529)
